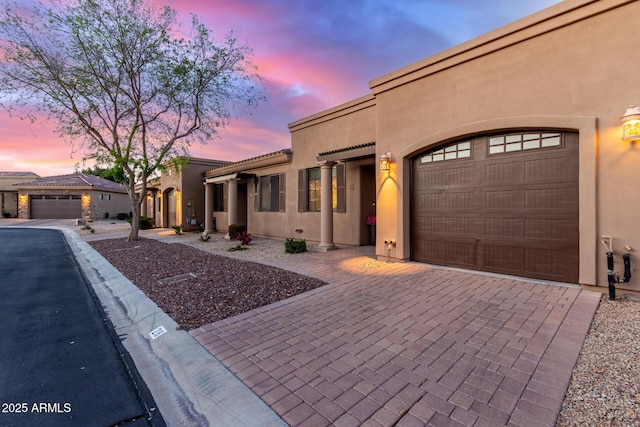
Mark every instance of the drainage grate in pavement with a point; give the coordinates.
(176, 279)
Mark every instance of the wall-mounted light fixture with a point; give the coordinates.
(631, 124)
(385, 162)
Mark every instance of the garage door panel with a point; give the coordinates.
(439, 177)
(551, 198)
(551, 264)
(553, 169)
(56, 207)
(456, 253)
(448, 200)
(459, 225)
(508, 259)
(555, 229)
(504, 172)
(504, 199)
(504, 227)
(460, 253)
(519, 216)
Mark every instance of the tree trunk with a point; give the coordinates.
(135, 211)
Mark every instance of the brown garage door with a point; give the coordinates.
(502, 203)
(56, 207)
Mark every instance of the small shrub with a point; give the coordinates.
(235, 229)
(244, 238)
(177, 228)
(145, 223)
(122, 216)
(88, 227)
(239, 247)
(295, 246)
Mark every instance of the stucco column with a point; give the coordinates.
(233, 201)
(143, 205)
(208, 207)
(326, 207)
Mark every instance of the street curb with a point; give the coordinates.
(188, 384)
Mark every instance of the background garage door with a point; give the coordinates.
(56, 207)
(502, 203)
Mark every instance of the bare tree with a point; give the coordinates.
(122, 82)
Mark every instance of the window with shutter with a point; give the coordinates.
(271, 189)
(218, 197)
(309, 185)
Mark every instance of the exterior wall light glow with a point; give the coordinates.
(385, 162)
(631, 124)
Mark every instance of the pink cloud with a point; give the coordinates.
(26, 146)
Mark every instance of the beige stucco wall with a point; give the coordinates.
(346, 226)
(9, 194)
(569, 67)
(343, 126)
(190, 191)
(100, 204)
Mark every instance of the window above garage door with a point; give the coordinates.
(460, 150)
(524, 141)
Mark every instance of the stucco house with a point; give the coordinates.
(503, 154)
(176, 197)
(9, 194)
(77, 195)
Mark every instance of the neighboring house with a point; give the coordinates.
(506, 155)
(177, 197)
(279, 194)
(9, 194)
(71, 196)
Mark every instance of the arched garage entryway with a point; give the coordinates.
(503, 203)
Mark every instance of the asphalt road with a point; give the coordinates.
(60, 364)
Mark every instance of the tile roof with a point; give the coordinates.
(72, 180)
(252, 159)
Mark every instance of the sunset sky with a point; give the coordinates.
(313, 54)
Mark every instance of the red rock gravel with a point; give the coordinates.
(223, 286)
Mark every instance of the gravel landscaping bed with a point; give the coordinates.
(222, 286)
(604, 388)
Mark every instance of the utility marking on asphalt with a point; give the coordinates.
(157, 332)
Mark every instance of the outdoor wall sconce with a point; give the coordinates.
(385, 162)
(631, 124)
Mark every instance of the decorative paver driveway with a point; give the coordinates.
(407, 344)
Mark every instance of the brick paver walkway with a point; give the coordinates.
(406, 344)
